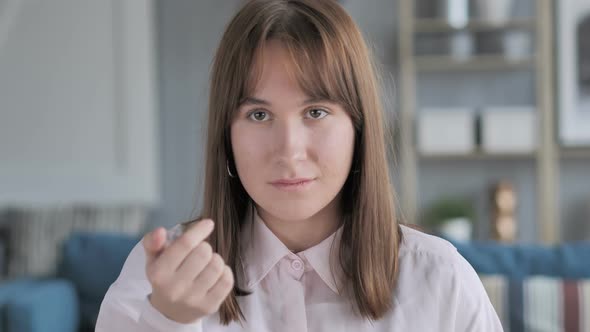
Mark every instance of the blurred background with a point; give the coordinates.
(102, 128)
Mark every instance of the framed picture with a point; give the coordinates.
(573, 71)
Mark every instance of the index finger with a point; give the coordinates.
(173, 256)
(153, 242)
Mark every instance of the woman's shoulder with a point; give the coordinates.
(426, 259)
(435, 279)
(427, 253)
(416, 242)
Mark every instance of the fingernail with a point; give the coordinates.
(154, 239)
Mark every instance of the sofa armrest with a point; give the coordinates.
(49, 305)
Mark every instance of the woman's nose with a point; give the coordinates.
(290, 141)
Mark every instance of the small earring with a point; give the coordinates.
(228, 171)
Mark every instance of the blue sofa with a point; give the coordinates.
(567, 261)
(69, 302)
(535, 288)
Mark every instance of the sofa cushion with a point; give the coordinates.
(518, 261)
(10, 290)
(540, 303)
(46, 307)
(93, 261)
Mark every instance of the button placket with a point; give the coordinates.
(295, 266)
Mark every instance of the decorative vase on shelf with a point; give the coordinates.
(454, 12)
(462, 45)
(504, 207)
(517, 45)
(494, 11)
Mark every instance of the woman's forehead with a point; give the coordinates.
(278, 63)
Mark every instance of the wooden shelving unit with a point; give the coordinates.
(422, 25)
(477, 156)
(575, 153)
(547, 156)
(478, 63)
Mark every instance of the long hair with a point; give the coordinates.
(330, 60)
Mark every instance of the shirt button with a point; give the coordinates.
(297, 265)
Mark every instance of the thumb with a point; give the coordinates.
(153, 242)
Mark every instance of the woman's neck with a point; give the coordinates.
(299, 235)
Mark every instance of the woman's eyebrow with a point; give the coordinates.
(254, 101)
(257, 101)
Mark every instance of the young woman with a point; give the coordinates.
(300, 231)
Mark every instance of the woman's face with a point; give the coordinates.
(292, 154)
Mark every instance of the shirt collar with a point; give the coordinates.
(322, 255)
(262, 250)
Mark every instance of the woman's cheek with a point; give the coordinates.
(248, 149)
(337, 145)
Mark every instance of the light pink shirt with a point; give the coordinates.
(437, 291)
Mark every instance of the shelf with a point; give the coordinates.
(441, 25)
(478, 156)
(570, 153)
(575, 153)
(474, 63)
(414, 64)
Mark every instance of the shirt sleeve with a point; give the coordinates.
(475, 311)
(126, 306)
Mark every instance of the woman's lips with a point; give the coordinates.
(292, 184)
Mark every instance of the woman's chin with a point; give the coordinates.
(289, 211)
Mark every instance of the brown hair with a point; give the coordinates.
(331, 61)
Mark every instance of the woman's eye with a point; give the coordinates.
(258, 116)
(317, 113)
